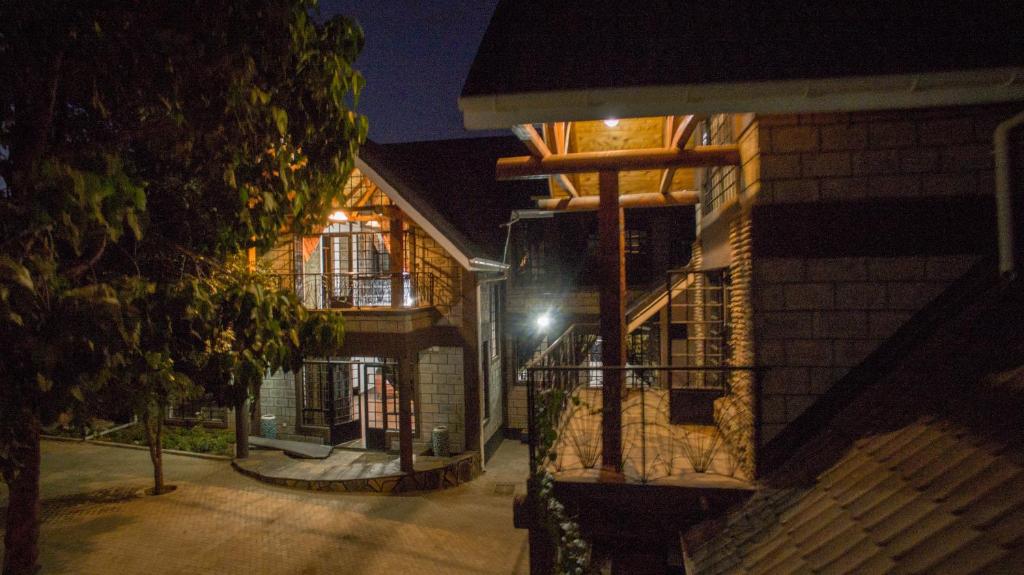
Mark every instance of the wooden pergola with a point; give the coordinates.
(609, 166)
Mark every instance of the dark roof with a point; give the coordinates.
(921, 471)
(547, 45)
(452, 183)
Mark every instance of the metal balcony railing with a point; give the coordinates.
(347, 290)
(668, 430)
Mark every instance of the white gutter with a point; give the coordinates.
(1004, 195)
(901, 91)
(486, 265)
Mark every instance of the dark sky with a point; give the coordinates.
(417, 55)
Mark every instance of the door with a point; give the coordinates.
(330, 399)
(344, 407)
(380, 403)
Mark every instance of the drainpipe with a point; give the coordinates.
(1004, 195)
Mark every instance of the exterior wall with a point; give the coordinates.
(440, 396)
(277, 397)
(852, 235)
(491, 415)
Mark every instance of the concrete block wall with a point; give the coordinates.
(440, 396)
(815, 317)
(277, 397)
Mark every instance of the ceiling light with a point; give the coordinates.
(338, 216)
(611, 122)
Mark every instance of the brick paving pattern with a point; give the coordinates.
(96, 520)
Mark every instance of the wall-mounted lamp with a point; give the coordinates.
(544, 321)
(611, 122)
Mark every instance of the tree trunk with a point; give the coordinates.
(254, 414)
(241, 430)
(21, 541)
(153, 420)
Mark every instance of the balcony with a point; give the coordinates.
(402, 290)
(676, 429)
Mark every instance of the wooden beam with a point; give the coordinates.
(684, 129)
(529, 136)
(612, 268)
(528, 167)
(647, 200)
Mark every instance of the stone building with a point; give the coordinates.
(413, 262)
(854, 169)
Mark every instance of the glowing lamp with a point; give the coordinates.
(338, 216)
(611, 122)
(543, 321)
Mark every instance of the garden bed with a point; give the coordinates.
(195, 439)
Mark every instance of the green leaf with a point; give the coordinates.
(280, 119)
(16, 272)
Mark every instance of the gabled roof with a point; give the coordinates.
(922, 470)
(448, 187)
(585, 60)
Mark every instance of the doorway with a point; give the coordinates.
(353, 401)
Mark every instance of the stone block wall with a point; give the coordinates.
(827, 292)
(440, 396)
(277, 397)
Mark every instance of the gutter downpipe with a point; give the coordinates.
(1004, 196)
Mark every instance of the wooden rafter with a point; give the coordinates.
(678, 130)
(529, 167)
(646, 200)
(539, 149)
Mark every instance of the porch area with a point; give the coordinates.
(351, 470)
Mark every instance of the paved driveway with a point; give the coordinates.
(96, 521)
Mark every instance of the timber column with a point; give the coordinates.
(406, 378)
(613, 318)
(397, 259)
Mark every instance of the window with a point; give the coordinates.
(487, 381)
(492, 317)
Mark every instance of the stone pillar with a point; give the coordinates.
(613, 317)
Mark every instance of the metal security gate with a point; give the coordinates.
(352, 399)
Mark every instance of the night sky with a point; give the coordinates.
(417, 55)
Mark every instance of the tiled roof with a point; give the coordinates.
(922, 472)
(452, 182)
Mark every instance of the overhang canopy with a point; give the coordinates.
(559, 60)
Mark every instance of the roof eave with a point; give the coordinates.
(967, 87)
(432, 223)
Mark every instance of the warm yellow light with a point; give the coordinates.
(338, 216)
(611, 122)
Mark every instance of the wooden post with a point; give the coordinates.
(406, 373)
(613, 317)
(397, 260)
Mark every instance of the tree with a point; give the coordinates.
(229, 120)
(262, 329)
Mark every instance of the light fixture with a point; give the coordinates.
(544, 321)
(373, 224)
(338, 216)
(611, 122)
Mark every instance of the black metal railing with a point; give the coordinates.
(346, 290)
(580, 345)
(668, 429)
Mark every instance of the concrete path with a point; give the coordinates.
(96, 521)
